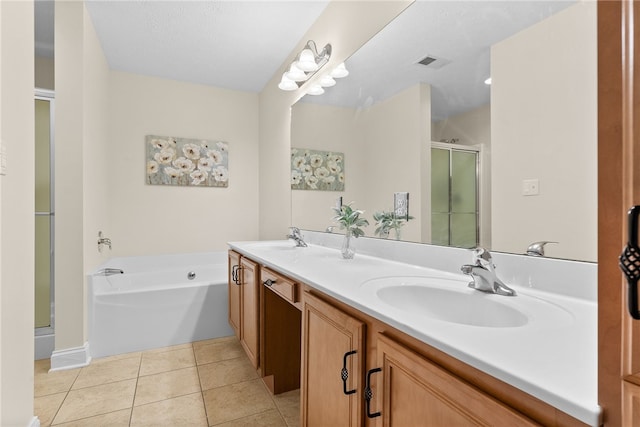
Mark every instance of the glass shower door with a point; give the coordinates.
(454, 197)
(44, 214)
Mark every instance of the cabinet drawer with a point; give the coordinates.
(284, 287)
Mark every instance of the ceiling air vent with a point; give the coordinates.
(434, 62)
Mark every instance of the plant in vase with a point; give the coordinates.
(350, 221)
(387, 221)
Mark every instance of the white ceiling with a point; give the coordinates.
(240, 45)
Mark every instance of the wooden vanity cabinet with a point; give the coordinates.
(415, 391)
(332, 366)
(244, 303)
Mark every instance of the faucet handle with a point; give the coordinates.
(537, 248)
(482, 257)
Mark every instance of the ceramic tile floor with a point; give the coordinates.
(205, 383)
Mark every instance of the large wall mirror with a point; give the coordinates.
(501, 165)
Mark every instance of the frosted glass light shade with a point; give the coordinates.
(327, 81)
(287, 84)
(340, 71)
(307, 61)
(296, 74)
(315, 90)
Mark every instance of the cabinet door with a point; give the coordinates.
(250, 318)
(234, 292)
(328, 338)
(412, 391)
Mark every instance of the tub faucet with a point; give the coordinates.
(296, 236)
(103, 241)
(109, 271)
(483, 273)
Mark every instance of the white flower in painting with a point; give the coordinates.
(329, 179)
(222, 146)
(341, 177)
(204, 145)
(220, 174)
(333, 167)
(205, 163)
(198, 177)
(294, 151)
(191, 151)
(172, 172)
(298, 162)
(184, 165)
(335, 158)
(159, 144)
(215, 156)
(165, 156)
(322, 173)
(172, 142)
(152, 167)
(306, 170)
(311, 181)
(296, 177)
(316, 161)
(307, 153)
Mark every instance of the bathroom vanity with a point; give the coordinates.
(352, 336)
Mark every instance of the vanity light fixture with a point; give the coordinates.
(306, 64)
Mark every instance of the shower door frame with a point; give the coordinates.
(478, 152)
(49, 95)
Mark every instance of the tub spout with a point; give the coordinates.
(109, 271)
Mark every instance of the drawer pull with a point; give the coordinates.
(269, 282)
(344, 373)
(368, 394)
(234, 274)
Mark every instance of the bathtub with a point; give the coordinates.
(154, 303)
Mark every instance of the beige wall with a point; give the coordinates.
(329, 128)
(544, 110)
(383, 155)
(335, 26)
(16, 213)
(151, 219)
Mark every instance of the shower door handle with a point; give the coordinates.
(630, 262)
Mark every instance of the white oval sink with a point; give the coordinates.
(452, 301)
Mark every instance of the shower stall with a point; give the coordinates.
(44, 224)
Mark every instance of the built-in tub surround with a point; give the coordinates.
(157, 301)
(550, 353)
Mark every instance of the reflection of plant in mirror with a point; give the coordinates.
(350, 220)
(387, 221)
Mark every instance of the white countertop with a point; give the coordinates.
(557, 363)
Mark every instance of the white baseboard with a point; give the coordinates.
(35, 422)
(70, 358)
(44, 345)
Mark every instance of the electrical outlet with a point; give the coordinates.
(530, 187)
(401, 205)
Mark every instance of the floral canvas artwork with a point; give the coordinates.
(187, 162)
(317, 170)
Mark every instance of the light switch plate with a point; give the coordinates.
(530, 187)
(339, 203)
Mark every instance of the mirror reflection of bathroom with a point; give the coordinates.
(386, 126)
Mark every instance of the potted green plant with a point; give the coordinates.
(387, 221)
(350, 221)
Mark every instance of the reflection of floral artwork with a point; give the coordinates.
(189, 162)
(317, 170)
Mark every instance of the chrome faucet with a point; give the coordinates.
(483, 273)
(296, 236)
(109, 271)
(537, 248)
